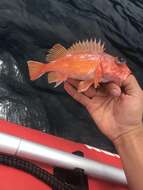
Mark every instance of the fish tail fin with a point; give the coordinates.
(36, 69)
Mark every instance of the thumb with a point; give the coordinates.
(130, 85)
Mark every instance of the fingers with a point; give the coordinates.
(131, 85)
(91, 92)
(77, 96)
(103, 90)
(113, 89)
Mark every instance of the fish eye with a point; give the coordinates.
(121, 60)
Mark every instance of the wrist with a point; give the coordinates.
(129, 137)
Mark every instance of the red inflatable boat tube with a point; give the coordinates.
(13, 179)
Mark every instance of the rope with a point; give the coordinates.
(36, 171)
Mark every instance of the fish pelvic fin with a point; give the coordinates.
(36, 69)
(84, 85)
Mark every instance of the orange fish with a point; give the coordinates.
(86, 61)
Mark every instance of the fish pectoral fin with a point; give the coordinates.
(98, 76)
(56, 77)
(84, 85)
(96, 83)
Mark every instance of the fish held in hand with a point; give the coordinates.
(86, 61)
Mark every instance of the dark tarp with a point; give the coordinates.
(29, 27)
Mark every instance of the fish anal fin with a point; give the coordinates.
(56, 52)
(56, 77)
(36, 69)
(58, 83)
(87, 46)
(84, 85)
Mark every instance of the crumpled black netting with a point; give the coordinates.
(29, 28)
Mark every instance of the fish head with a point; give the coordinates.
(115, 69)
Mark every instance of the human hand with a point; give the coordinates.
(114, 111)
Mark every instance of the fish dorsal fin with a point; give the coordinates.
(87, 46)
(56, 52)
